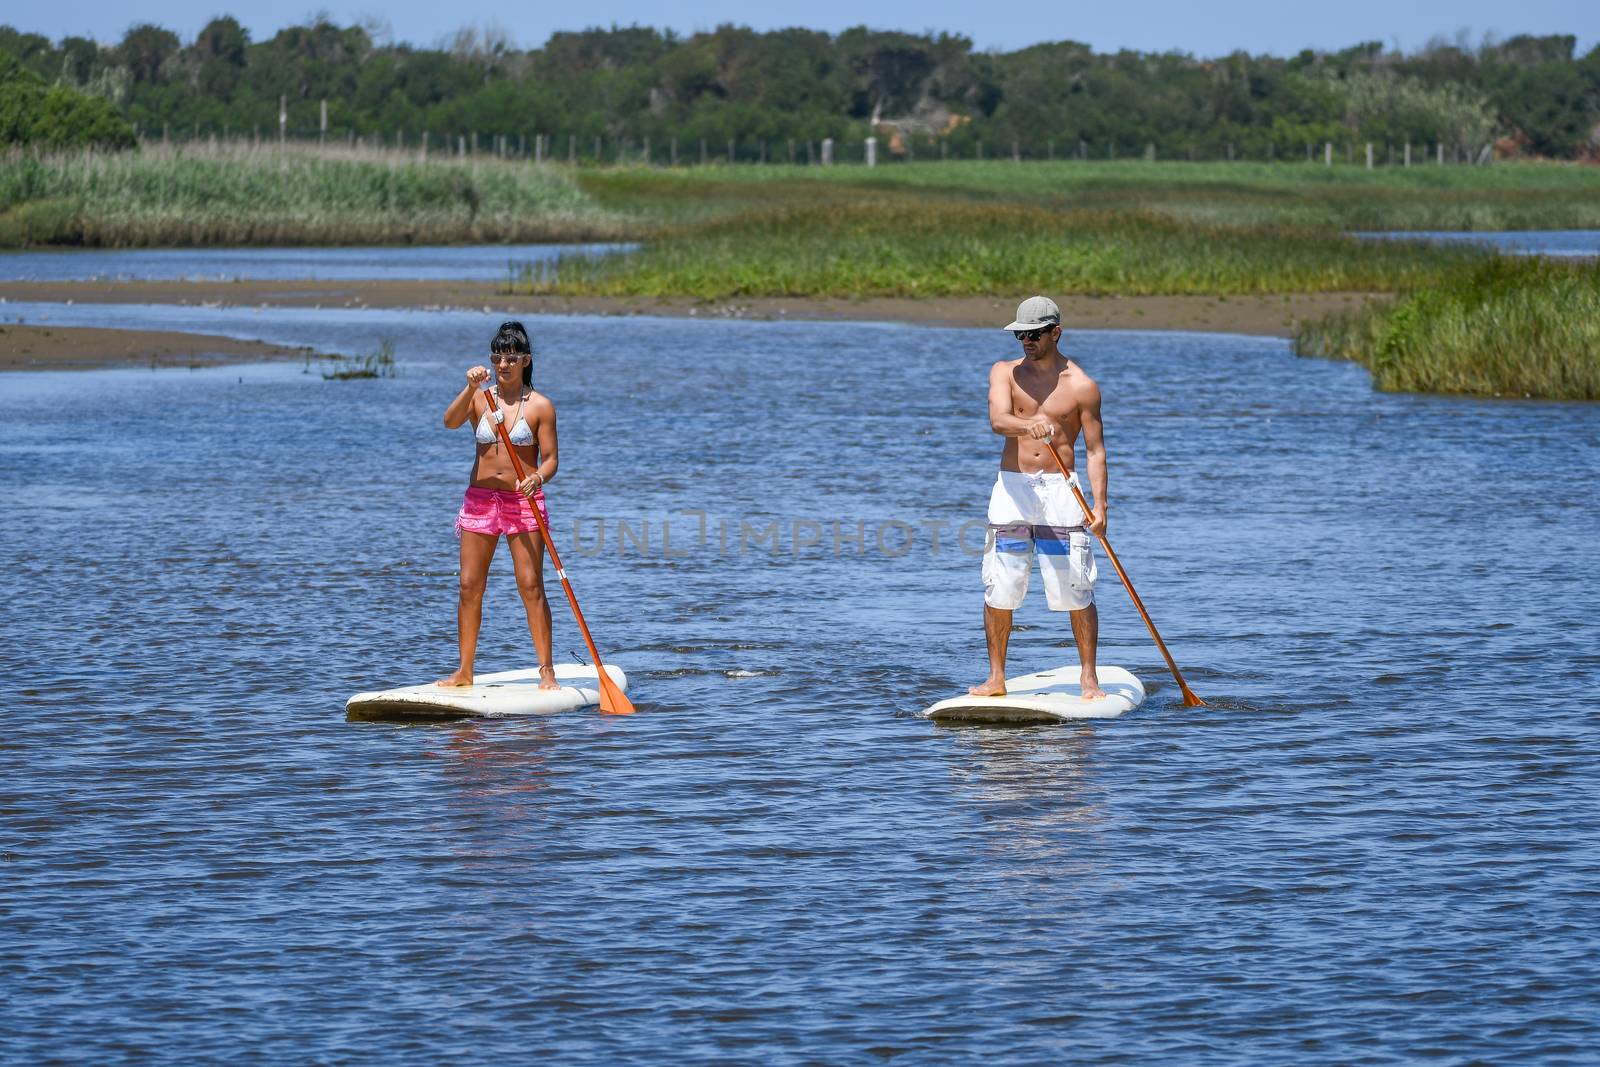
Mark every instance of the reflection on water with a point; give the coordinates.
(1378, 843)
(484, 764)
(1035, 788)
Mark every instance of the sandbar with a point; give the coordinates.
(1270, 315)
(87, 348)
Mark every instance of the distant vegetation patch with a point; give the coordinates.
(980, 232)
(296, 195)
(1517, 327)
(1507, 196)
(378, 363)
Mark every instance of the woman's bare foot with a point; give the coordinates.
(460, 679)
(989, 687)
(1089, 685)
(547, 678)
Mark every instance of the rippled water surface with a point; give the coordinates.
(1379, 845)
(487, 263)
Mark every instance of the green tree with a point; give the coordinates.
(32, 113)
(145, 50)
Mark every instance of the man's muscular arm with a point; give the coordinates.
(1002, 418)
(1094, 448)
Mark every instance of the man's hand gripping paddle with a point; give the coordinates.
(1189, 699)
(612, 699)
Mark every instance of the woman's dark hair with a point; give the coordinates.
(513, 338)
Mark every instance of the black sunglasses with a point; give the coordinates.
(1032, 335)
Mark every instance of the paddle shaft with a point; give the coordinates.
(608, 688)
(1189, 699)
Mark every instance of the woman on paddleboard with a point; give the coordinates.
(496, 502)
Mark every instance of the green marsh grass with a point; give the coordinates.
(235, 194)
(378, 363)
(917, 245)
(1507, 196)
(1517, 327)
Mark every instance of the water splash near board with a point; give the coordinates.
(1046, 696)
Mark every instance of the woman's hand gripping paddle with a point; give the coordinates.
(1189, 699)
(612, 699)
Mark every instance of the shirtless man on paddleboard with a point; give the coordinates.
(1032, 400)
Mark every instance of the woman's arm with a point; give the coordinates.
(459, 410)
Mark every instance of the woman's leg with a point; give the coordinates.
(476, 551)
(527, 555)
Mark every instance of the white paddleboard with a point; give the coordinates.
(1048, 696)
(490, 696)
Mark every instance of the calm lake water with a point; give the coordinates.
(1565, 243)
(1379, 845)
(484, 263)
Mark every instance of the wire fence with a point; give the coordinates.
(576, 149)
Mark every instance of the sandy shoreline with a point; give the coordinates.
(36, 347)
(84, 348)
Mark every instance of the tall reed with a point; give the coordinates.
(1520, 327)
(242, 194)
(1501, 197)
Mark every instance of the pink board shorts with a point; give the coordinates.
(499, 511)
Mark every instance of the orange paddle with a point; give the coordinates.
(612, 699)
(1189, 699)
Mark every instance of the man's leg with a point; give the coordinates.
(1069, 577)
(1086, 631)
(1007, 560)
(997, 634)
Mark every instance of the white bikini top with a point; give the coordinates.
(521, 434)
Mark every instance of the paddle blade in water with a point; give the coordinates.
(612, 699)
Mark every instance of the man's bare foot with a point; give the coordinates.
(547, 678)
(460, 679)
(1089, 684)
(990, 687)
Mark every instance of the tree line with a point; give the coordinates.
(919, 93)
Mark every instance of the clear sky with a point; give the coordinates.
(1196, 26)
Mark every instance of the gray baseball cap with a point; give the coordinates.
(1036, 311)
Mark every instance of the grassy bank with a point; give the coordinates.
(943, 229)
(242, 195)
(1505, 327)
(914, 245)
(301, 194)
(1531, 196)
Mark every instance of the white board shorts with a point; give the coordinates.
(1033, 514)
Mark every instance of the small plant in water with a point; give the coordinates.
(378, 364)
